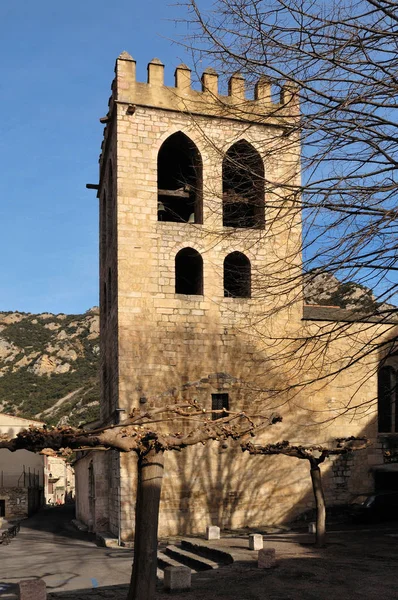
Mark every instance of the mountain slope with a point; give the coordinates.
(49, 363)
(323, 288)
(49, 366)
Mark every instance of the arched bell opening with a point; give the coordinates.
(243, 187)
(189, 272)
(179, 180)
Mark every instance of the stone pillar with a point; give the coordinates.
(266, 558)
(177, 579)
(256, 541)
(32, 589)
(312, 527)
(212, 532)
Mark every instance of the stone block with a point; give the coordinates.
(177, 579)
(256, 541)
(312, 527)
(212, 532)
(266, 558)
(32, 589)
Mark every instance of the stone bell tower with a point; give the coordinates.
(195, 213)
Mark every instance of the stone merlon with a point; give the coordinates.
(208, 101)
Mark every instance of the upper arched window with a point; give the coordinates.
(189, 272)
(237, 276)
(387, 414)
(243, 187)
(179, 180)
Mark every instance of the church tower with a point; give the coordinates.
(197, 227)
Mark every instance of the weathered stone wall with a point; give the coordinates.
(61, 485)
(16, 502)
(92, 499)
(81, 466)
(108, 282)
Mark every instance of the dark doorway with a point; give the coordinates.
(386, 480)
(2, 508)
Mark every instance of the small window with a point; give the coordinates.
(179, 180)
(219, 402)
(387, 400)
(189, 272)
(243, 187)
(237, 276)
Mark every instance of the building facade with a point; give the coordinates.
(21, 473)
(200, 246)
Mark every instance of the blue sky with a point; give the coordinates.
(56, 67)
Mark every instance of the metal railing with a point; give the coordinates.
(27, 479)
(9, 533)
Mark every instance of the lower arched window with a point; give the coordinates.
(387, 413)
(237, 276)
(188, 272)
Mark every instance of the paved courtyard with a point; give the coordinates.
(357, 565)
(48, 546)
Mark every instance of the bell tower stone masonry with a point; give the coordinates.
(196, 218)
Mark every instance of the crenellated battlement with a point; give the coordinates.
(208, 101)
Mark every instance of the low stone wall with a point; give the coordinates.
(20, 502)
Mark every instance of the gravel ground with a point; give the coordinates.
(357, 564)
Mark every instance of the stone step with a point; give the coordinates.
(165, 560)
(207, 550)
(191, 559)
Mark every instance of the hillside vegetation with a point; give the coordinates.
(49, 363)
(323, 288)
(49, 366)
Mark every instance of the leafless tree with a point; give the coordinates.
(341, 58)
(316, 455)
(147, 434)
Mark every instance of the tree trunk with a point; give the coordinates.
(320, 536)
(149, 485)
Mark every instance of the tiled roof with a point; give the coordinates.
(314, 312)
(21, 419)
